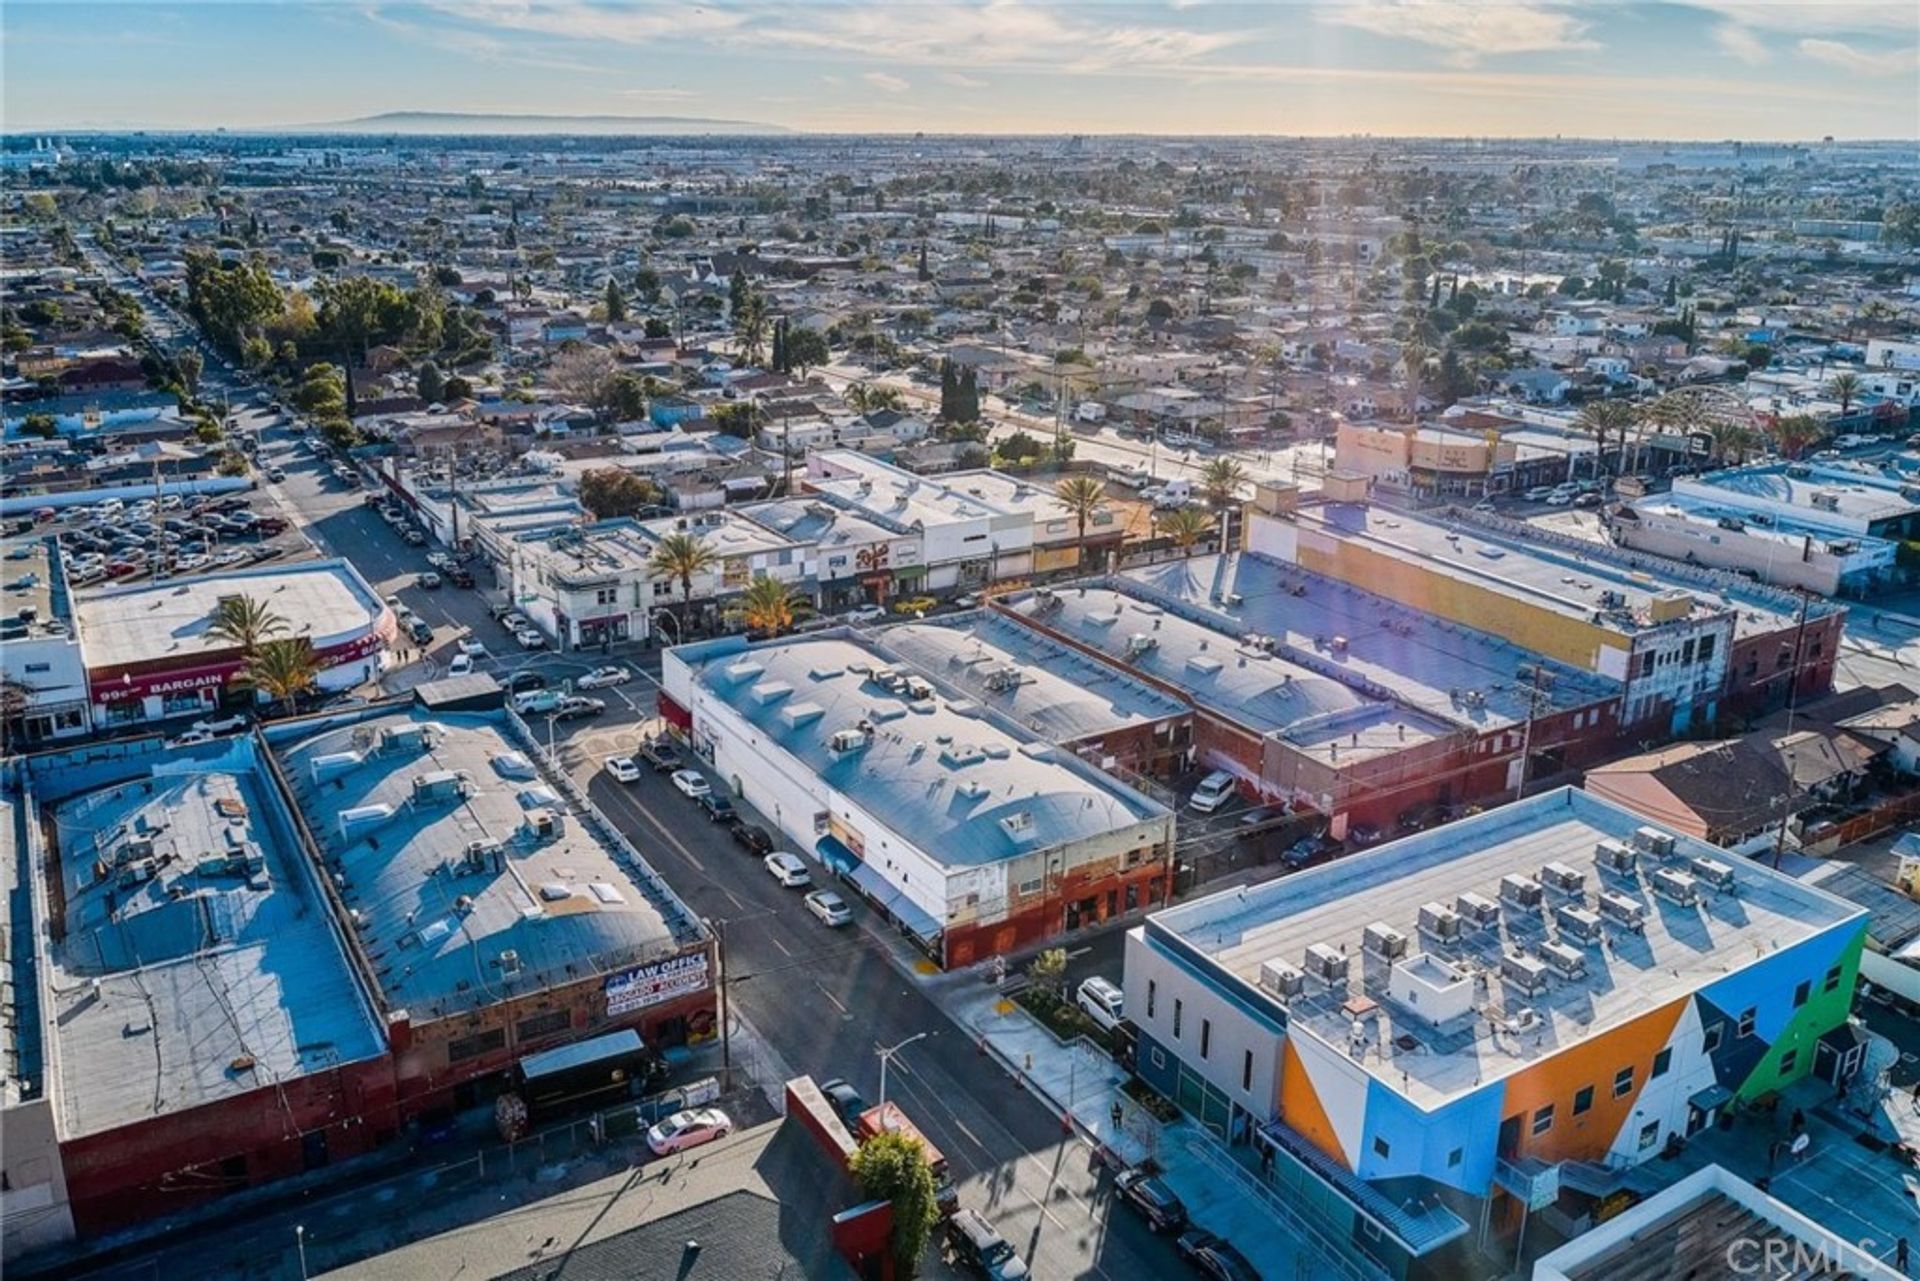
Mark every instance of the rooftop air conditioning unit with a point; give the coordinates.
(1384, 941)
(509, 962)
(1566, 879)
(1615, 857)
(1281, 979)
(1478, 911)
(1521, 891)
(918, 688)
(1568, 962)
(1578, 922)
(480, 856)
(1676, 887)
(1623, 910)
(439, 786)
(1712, 871)
(1525, 973)
(1327, 963)
(848, 740)
(1140, 643)
(1440, 921)
(542, 824)
(404, 738)
(1651, 840)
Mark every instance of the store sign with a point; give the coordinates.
(646, 985)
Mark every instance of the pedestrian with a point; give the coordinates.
(1900, 1254)
(1118, 1113)
(1799, 1121)
(1266, 1161)
(1773, 1154)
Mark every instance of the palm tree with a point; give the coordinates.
(281, 669)
(1084, 497)
(865, 398)
(1604, 419)
(1183, 525)
(769, 607)
(680, 556)
(1732, 441)
(1221, 480)
(1794, 433)
(1844, 387)
(1413, 359)
(750, 326)
(245, 622)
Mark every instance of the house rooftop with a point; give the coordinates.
(323, 601)
(1448, 670)
(1499, 1028)
(943, 771)
(27, 583)
(471, 873)
(897, 500)
(197, 958)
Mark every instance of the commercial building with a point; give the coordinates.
(151, 655)
(250, 958)
(1514, 1009)
(1680, 639)
(1842, 501)
(850, 560)
(40, 658)
(1781, 549)
(974, 836)
(1322, 694)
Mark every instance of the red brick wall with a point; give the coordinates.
(1047, 918)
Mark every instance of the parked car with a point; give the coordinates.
(473, 649)
(788, 870)
(1538, 494)
(719, 809)
(688, 1129)
(1215, 790)
(1309, 849)
(661, 754)
(1213, 1256)
(427, 579)
(530, 639)
(1588, 500)
(1102, 1001)
(525, 680)
(536, 702)
(751, 838)
(865, 614)
(1152, 1199)
(276, 474)
(691, 783)
(573, 709)
(830, 908)
(845, 1099)
(622, 769)
(420, 632)
(460, 665)
(1363, 834)
(459, 576)
(602, 677)
(223, 725)
(978, 1247)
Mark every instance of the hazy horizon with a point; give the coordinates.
(1705, 70)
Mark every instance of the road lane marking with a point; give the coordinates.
(826, 992)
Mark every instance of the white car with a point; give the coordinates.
(1560, 498)
(865, 614)
(473, 649)
(622, 769)
(1102, 1001)
(1538, 494)
(692, 783)
(689, 1129)
(830, 908)
(231, 556)
(601, 677)
(461, 665)
(530, 639)
(787, 869)
(190, 738)
(192, 561)
(222, 725)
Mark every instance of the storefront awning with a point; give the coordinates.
(836, 855)
(879, 891)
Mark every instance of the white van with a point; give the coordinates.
(1090, 411)
(1102, 1001)
(1215, 790)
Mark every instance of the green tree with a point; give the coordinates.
(231, 300)
(429, 382)
(358, 312)
(750, 324)
(1048, 971)
(1845, 388)
(613, 492)
(191, 366)
(1792, 433)
(1221, 479)
(1183, 525)
(678, 557)
(769, 607)
(322, 391)
(281, 670)
(1021, 448)
(806, 348)
(616, 302)
(1084, 497)
(892, 1167)
(865, 398)
(244, 622)
(1606, 420)
(646, 284)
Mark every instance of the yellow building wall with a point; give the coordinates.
(1545, 631)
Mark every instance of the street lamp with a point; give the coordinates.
(886, 1056)
(300, 1242)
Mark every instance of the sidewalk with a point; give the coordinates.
(1080, 1083)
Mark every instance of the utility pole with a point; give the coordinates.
(1534, 692)
(886, 1056)
(719, 925)
(1793, 700)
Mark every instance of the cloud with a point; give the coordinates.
(656, 93)
(1740, 42)
(1467, 32)
(476, 45)
(890, 84)
(1820, 18)
(1837, 53)
(959, 81)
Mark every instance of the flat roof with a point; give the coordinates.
(26, 582)
(567, 902)
(1680, 951)
(810, 521)
(1785, 532)
(1568, 581)
(954, 780)
(1052, 689)
(1857, 495)
(325, 601)
(897, 499)
(1224, 673)
(206, 964)
(627, 546)
(1423, 661)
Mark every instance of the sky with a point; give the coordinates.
(1751, 69)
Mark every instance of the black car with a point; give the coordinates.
(1153, 1199)
(459, 576)
(754, 840)
(661, 754)
(1213, 1257)
(1310, 849)
(719, 809)
(845, 1099)
(524, 680)
(422, 632)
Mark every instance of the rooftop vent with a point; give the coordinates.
(1567, 962)
(1521, 891)
(1327, 963)
(961, 755)
(1578, 922)
(542, 825)
(1440, 921)
(1281, 979)
(849, 740)
(768, 692)
(1623, 910)
(1614, 857)
(1384, 941)
(440, 787)
(1477, 910)
(1566, 879)
(1651, 840)
(1676, 887)
(1524, 973)
(1711, 871)
(1140, 643)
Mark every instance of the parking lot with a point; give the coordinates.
(127, 541)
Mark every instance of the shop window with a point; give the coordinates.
(472, 1047)
(532, 1029)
